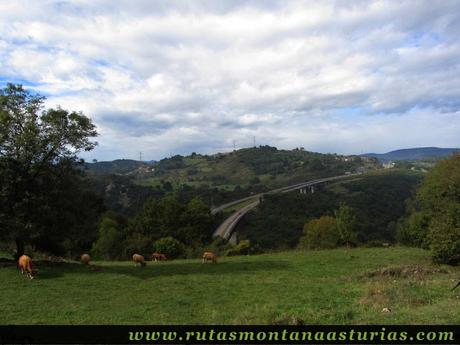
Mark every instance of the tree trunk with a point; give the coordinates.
(19, 248)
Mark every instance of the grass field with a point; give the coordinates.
(321, 287)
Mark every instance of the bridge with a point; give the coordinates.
(226, 229)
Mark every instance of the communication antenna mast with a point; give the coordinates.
(234, 145)
(140, 156)
(254, 140)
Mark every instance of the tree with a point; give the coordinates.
(38, 153)
(191, 223)
(413, 230)
(438, 198)
(346, 224)
(197, 223)
(109, 244)
(137, 243)
(320, 233)
(169, 246)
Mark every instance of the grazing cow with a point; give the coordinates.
(159, 257)
(138, 259)
(209, 256)
(25, 265)
(85, 259)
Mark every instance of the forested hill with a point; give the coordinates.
(378, 200)
(118, 166)
(220, 177)
(413, 154)
(264, 165)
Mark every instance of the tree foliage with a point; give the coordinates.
(191, 224)
(346, 224)
(438, 211)
(38, 154)
(169, 246)
(413, 230)
(321, 233)
(376, 200)
(110, 241)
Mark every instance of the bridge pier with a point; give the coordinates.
(306, 189)
(234, 238)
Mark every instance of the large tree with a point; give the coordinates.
(434, 217)
(439, 200)
(38, 167)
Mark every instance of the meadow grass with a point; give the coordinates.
(317, 287)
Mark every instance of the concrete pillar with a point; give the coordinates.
(234, 238)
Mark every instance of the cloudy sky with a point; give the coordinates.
(168, 77)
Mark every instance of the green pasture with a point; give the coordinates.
(318, 287)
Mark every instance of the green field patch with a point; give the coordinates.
(289, 287)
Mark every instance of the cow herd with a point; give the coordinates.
(25, 262)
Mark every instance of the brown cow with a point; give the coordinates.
(138, 259)
(85, 259)
(209, 256)
(25, 265)
(159, 257)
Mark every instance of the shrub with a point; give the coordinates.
(444, 237)
(346, 224)
(138, 243)
(109, 244)
(169, 246)
(413, 230)
(320, 233)
(242, 248)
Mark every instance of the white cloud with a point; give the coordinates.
(167, 76)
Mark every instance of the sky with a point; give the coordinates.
(176, 77)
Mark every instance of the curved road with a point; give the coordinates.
(225, 230)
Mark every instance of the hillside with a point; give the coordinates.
(316, 287)
(218, 178)
(378, 200)
(263, 167)
(119, 166)
(419, 153)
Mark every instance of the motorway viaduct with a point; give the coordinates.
(226, 229)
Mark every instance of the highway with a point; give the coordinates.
(225, 230)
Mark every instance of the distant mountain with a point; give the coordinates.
(418, 153)
(118, 166)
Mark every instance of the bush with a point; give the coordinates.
(169, 246)
(413, 230)
(218, 246)
(138, 243)
(109, 244)
(346, 224)
(320, 233)
(242, 248)
(444, 237)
